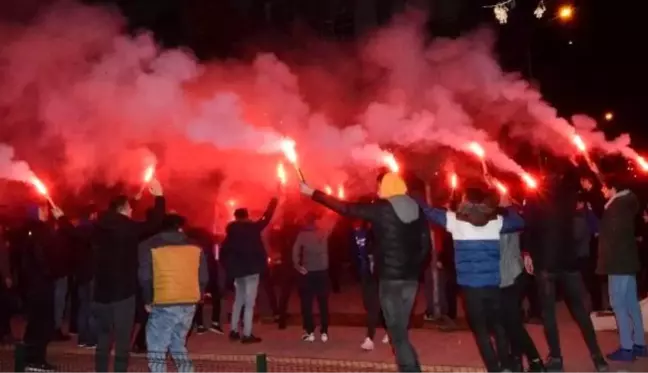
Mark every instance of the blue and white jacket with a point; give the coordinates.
(476, 230)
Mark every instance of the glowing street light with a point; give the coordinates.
(566, 13)
(609, 116)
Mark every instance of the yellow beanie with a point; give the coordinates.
(392, 184)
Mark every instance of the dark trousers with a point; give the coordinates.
(267, 282)
(115, 319)
(85, 321)
(396, 300)
(74, 304)
(40, 323)
(451, 292)
(287, 282)
(521, 342)
(5, 310)
(371, 303)
(484, 311)
(214, 290)
(593, 283)
(314, 285)
(572, 284)
(530, 293)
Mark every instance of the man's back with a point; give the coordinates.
(243, 252)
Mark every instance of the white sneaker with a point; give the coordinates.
(367, 345)
(324, 337)
(385, 339)
(308, 337)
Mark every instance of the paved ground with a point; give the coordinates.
(435, 348)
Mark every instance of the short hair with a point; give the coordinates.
(475, 195)
(173, 222)
(615, 182)
(241, 213)
(118, 202)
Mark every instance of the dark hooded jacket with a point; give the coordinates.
(243, 252)
(41, 243)
(83, 260)
(549, 229)
(400, 231)
(618, 253)
(116, 242)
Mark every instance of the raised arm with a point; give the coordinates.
(434, 215)
(359, 210)
(269, 212)
(511, 221)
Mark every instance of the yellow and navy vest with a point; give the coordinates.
(175, 274)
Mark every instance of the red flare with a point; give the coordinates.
(529, 180)
(580, 144)
(500, 187)
(454, 181)
(281, 173)
(477, 149)
(148, 174)
(328, 190)
(390, 162)
(642, 163)
(288, 148)
(40, 187)
(231, 203)
(340, 192)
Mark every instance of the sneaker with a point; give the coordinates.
(622, 355)
(324, 337)
(81, 345)
(367, 345)
(308, 337)
(216, 328)
(429, 317)
(640, 351)
(40, 367)
(536, 365)
(90, 346)
(234, 336)
(250, 339)
(385, 339)
(201, 330)
(554, 364)
(600, 364)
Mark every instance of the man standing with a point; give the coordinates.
(40, 245)
(245, 259)
(402, 244)
(619, 260)
(83, 271)
(549, 233)
(310, 259)
(115, 284)
(6, 283)
(173, 274)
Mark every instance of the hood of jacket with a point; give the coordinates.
(478, 214)
(625, 199)
(392, 184)
(405, 207)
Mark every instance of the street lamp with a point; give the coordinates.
(565, 13)
(609, 116)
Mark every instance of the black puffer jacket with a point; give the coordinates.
(618, 253)
(402, 237)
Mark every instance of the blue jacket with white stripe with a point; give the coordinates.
(476, 239)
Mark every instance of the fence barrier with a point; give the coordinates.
(12, 359)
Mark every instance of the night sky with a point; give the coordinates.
(603, 69)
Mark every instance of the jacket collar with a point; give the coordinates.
(615, 196)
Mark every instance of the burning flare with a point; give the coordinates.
(390, 161)
(328, 190)
(580, 144)
(500, 187)
(42, 190)
(454, 181)
(642, 163)
(281, 173)
(529, 180)
(477, 149)
(340, 192)
(148, 174)
(288, 148)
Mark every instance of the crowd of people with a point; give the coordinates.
(142, 285)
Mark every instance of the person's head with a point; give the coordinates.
(241, 214)
(586, 183)
(475, 195)
(612, 186)
(391, 184)
(121, 205)
(173, 222)
(310, 219)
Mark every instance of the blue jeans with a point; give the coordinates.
(85, 320)
(624, 301)
(60, 295)
(245, 293)
(167, 330)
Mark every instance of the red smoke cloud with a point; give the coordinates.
(88, 102)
